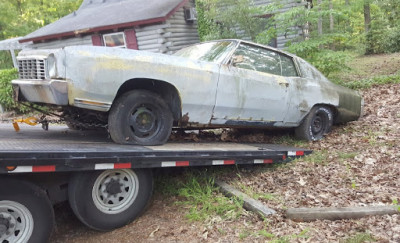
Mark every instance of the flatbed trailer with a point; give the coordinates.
(107, 185)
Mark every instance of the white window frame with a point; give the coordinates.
(116, 33)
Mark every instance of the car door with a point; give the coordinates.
(251, 89)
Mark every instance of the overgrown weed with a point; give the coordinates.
(197, 192)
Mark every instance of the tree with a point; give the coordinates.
(228, 18)
(331, 22)
(20, 17)
(319, 3)
(367, 15)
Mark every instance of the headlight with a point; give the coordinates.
(51, 66)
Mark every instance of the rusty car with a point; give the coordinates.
(141, 96)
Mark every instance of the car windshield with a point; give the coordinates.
(210, 51)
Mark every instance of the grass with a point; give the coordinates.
(317, 157)
(197, 192)
(251, 193)
(359, 238)
(290, 140)
(362, 67)
(367, 71)
(349, 155)
(395, 202)
(290, 238)
(369, 82)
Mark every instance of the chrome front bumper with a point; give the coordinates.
(41, 91)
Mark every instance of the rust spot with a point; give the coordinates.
(184, 120)
(303, 106)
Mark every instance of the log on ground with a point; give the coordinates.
(311, 214)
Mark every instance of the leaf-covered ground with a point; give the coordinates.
(358, 164)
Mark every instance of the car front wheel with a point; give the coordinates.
(317, 123)
(140, 117)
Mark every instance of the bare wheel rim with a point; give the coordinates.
(143, 121)
(16, 222)
(318, 124)
(114, 191)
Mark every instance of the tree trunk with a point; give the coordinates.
(319, 2)
(306, 29)
(331, 16)
(347, 2)
(367, 16)
(19, 7)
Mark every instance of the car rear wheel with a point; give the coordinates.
(105, 200)
(317, 123)
(140, 117)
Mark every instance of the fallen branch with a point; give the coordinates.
(311, 214)
(249, 203)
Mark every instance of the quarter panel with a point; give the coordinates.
(96, 73)
(305, 94)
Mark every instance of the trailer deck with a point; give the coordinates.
(107, 185)
(61, 149)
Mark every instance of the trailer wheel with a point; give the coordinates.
(26, 213)
(105, 200)
(316, 124)
(140, 117)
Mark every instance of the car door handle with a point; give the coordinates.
(283, 82)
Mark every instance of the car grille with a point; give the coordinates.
(32, 69)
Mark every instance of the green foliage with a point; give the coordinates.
(317, 157)
(201, 196)
(265, 234)
(205, 200)
(376, 38)
(20, 17)
(384, 34)
(204, 24)
(395, 202)
(360, 238)
(5, 60)
(218, 19)
(392, 43)
(6, 91)
(317, 52)
(369, 82)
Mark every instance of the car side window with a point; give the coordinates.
(288, 67)
(308, 71)
(257, 59)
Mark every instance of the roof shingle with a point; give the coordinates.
(97, 15)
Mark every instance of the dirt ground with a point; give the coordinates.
(358, 164)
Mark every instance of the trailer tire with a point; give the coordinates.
(105, 200)
(26, 214)
(140, 117)
(317, 123)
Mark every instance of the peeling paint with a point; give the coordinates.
(303, 106)
(184, 120)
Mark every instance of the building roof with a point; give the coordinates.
(98, 15)
(12, 44)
